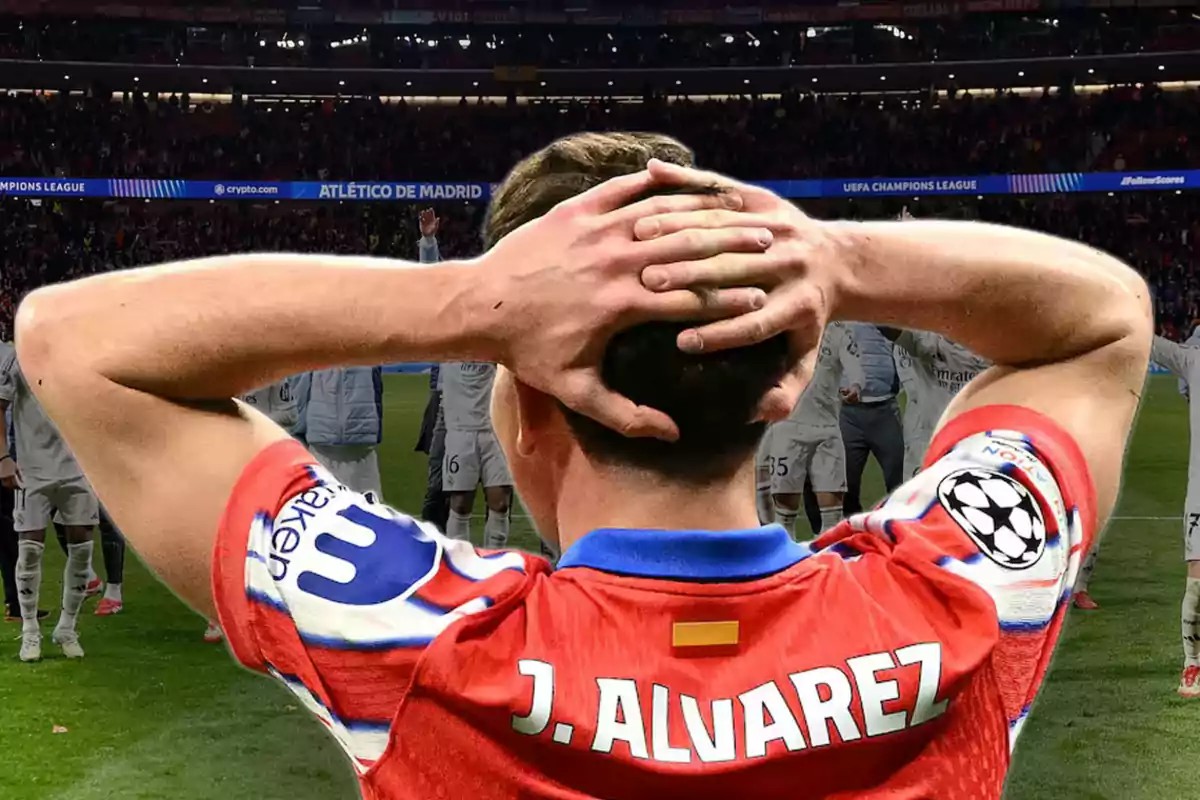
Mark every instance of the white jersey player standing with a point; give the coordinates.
(1184, 362)
(932, 370)
(808, 444)
(473, 455)
(46, 478)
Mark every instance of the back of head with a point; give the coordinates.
(713, 397)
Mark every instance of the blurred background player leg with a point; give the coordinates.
(1082, 599)
(8, 559)
(1189, 681)
(497, 491)
(812, 506)
(466, 405)
(460, 476)
(80, 511)
(789, 461)
(112, 543)
(827, 471)
(436, 506)
(94, 584)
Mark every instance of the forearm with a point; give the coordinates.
(975, 283)
(217, 327)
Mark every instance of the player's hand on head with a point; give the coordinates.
(801, 272)
(567, 281)
(428, 222)
(10, 474)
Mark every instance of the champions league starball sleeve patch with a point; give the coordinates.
(999, 514)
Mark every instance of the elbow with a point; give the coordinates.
(42, 338)
(33, 330)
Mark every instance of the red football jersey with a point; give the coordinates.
(894, 657)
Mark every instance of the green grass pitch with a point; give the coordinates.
(154, 712)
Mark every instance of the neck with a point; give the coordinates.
(601, 497)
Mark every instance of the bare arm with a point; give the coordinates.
(1067, 326)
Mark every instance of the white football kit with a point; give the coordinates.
(473, 454)
(275, 401)
(1184, 362)
(937, 370)
(808, 444)
(50, 477)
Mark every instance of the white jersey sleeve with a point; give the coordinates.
(8, 368)
(1180, 360)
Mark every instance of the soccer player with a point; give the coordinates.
(872, 426)
(678, 650)
(432, 442)
(340, 413)
(1184, 362)
(47, 478)
(473, 455)
(808, 444)
(936, 369)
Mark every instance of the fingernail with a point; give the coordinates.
(654, 278)
(650, 228)
(765, 237)
(731, 200)
(690, 342)
(758, 299)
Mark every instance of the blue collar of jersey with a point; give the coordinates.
(687, 555)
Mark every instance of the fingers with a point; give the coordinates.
(673, 175)
(698, 245)
(660, 205)
(584, 392)
(779, 402)
(699, 304)
(748, 329)
(668, 222)
(612, 194)
(724, 269)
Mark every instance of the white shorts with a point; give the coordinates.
(798, 454)
(355, 465)
(72, 499)
(473, 457)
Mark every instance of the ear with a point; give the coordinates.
(537, 413)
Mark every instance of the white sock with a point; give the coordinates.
(766, 507)
(787, 518)
(1190, 617)
(75, 580)
(29, 581)
(458, 526)
(1085, 569)
(830, 516)
(495, 530)
(113, 592)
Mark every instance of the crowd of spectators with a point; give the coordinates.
(47, 241)
(969, 37)
(794, 136)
